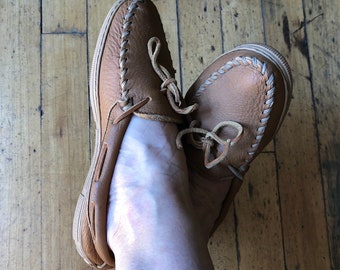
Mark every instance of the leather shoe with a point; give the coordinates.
(243, 97)
(132, 74)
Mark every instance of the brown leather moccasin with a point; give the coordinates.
(243, 97)
(132, 74)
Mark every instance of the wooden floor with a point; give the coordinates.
(287, 214)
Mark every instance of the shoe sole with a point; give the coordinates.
(82, 202)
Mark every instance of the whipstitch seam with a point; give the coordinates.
(123, 53)
(269, 96)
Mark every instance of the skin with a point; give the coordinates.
(152, 220)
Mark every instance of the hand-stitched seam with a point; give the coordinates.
(252, 62)
(124, 101)
(265, 113)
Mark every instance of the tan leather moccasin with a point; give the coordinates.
(243, 97)
(132, 74)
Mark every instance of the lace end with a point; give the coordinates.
(169, 84)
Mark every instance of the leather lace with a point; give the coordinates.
(169, 84)
(208, 139)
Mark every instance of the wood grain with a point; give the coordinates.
(300, 184)
(286, 215)
(64, 16)
(65, 143)
(20, 151)
(200, 37)
(241, 23)
(257, 205)
(321, 27)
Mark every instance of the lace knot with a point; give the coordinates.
(207, 141)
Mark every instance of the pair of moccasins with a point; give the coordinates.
(230, 113)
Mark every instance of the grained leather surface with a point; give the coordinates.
(237, 92)
(141, 80)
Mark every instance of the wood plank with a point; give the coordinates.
(223, 244)
(65, 142)
(200, 37)
(241, 23)
(64, 16)
(258, 217)
(304, 225)
(322, 26)
(20, 180)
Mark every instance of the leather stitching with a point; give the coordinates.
(254, 63)
(125, 102)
